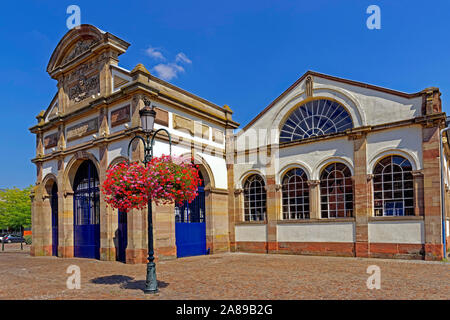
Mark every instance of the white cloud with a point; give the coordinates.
(181, 57)
(154, 53)
(168, 71)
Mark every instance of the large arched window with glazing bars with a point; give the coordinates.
(254, 198)
(295, 193)
(315, 118)
(393, 187)
(336, 191)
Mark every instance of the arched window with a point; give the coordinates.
(336, 191)
(254, 199)
(393, 190)
(315, 118)
(295, 194)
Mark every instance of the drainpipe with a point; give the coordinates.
(441, 148)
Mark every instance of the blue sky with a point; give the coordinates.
(240, 53)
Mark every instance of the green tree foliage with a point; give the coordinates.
(15, 208)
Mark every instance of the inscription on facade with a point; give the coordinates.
(182, 123)
(120, 116)
(162, 117)
(51, 140)
(84, 88)
(201, 131)
(217, 136)
(82, 129)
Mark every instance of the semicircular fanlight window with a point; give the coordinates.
(315, 118)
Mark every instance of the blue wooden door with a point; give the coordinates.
(190, 227)
(86, 212)
(122, 237)
(54, 206)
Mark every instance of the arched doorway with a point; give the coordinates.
(86, 211)
(54, 207)
(190, 226)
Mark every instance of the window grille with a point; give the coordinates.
(295, 192)
(254, 199)
(336, 191)
(393, 187)
(315, 118)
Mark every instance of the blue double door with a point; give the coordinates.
(190, 227)
(86, 212)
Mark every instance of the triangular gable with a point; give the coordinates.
(332, 78)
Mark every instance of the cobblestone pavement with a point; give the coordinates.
(223, 276)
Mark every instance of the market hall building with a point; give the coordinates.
(330, 167)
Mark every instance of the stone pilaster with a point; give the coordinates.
(361, 198)
(137, 221)
(432, 193)
(237, 216)
(232, 213)
(314, 199)
(217, 220)
(273, 203)
(37, 247)
(418, 193)
(65, 214)
(108, 217)
(164, 231)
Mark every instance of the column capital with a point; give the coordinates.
(313, 183)
(417, 173)
(370, 177)
(238, 191)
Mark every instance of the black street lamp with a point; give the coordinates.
(147, 115)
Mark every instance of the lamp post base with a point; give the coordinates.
(151, 284)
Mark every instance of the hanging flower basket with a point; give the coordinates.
(172, 180)
(124, 187)
(165, 179)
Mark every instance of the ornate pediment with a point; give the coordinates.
(80, 47)
(78, 43)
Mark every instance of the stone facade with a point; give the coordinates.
(93, 116)
(95, 113)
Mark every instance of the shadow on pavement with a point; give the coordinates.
(125, 282)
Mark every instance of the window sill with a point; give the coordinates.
(395, 218)
(312, 221)
(249, 222)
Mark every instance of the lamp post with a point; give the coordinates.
(147, 115)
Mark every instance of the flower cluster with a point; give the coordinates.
(165, 179)
(125, 186)
(172, 180)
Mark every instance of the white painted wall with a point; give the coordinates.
(249, 232)
(316, 232)
(117, 149)
(314, 156)
(396, 232)
(49, 167)
(219, 169)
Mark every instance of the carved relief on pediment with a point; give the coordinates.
(80, 47)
